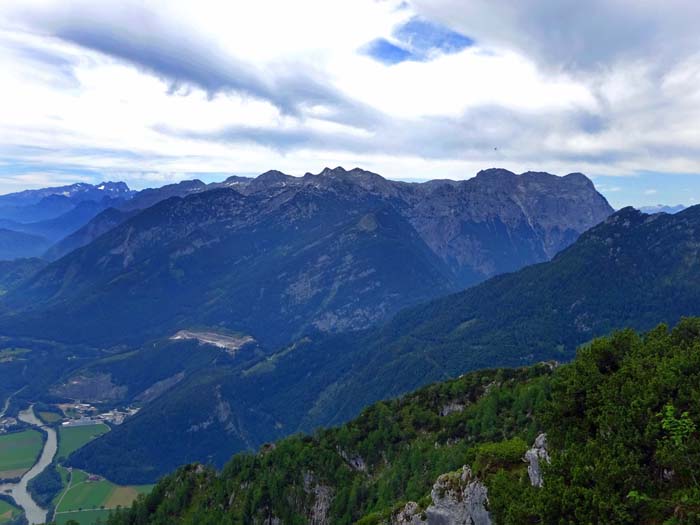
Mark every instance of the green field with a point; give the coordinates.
(18, 452)
(71, 439)
(83, 495)
(7, 511)
(86, 517)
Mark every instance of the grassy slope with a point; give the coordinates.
(71, 439)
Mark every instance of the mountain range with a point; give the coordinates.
(67, 217)
(277, 256)
(662, 208)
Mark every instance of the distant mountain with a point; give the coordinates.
(631, 270)
(43, 204)
(47, 215)
(662, 208)
(103, 222)
(98, 225)
(279, 256)
(150, 196)
(15, 244)
(58, 227)
(78, 192)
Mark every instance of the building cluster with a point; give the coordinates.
(7, 423)
(86, 414)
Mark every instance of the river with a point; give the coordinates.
(34, 513)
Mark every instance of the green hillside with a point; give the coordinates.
(621, 422)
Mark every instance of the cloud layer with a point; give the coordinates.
(153, 90)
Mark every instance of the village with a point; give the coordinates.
(84, 414)
(75, 414)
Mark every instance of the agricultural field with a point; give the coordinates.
(85, 517)
(84, 501)
(18, 452)
(71, 439)
(8, 512)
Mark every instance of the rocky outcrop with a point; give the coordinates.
(451, 408)
(534, 457)
(354, 461)
(457, 498)
(322, 498)
(411, 514)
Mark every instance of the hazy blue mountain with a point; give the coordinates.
(103, 222)
(58, 227)
(32, 206)
(98, 225)
(150, 196)
(662, 208)
(14, 244)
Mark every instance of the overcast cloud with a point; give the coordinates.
(163, 90)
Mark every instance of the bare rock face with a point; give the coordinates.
(322, 499)
(354, 461)
(451, 408)
(411, 514)
(535, 456)
(459, 498)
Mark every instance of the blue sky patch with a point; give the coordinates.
(424, 37)
(387, 53)
(416, 40)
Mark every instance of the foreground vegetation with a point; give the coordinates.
(621, 423)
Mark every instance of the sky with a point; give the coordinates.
(152, 92)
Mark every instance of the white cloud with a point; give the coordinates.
(154, 90)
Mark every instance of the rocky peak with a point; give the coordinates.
(578, 178)
(234, 180)
(495, 174)
(626, 217)
(114, 187)
(273, 178)
(457, 497)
